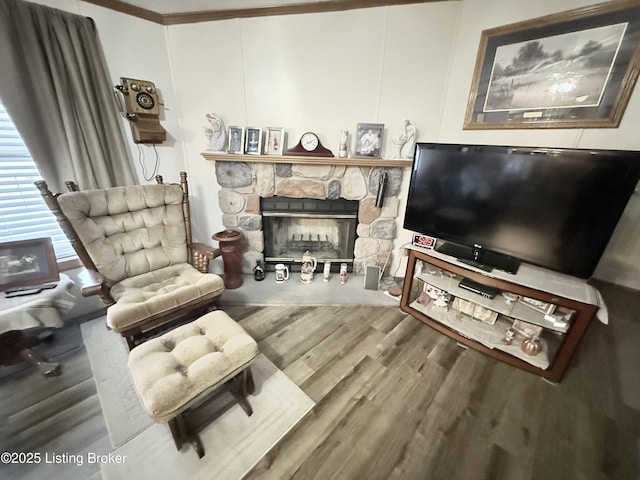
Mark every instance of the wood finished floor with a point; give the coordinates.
(395, 400)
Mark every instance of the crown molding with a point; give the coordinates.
(213, 15)
(129, 9)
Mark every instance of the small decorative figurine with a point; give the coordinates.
(215, 133)
(308, 267)
(342, 148)
(343, 273)
(509, 334)
(327, 271)
(407, 139)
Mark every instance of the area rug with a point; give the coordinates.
(121, 408)
(234, 443)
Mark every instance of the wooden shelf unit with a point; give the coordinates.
(559, 343)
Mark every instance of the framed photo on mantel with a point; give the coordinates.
(575, 69)
(253, 141)
(369, 139)
(236, 140)
(274, 141)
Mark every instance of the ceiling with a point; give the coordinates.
(171, 12)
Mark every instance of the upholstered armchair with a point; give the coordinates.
(135, 243)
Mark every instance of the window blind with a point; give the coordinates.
(23, 213)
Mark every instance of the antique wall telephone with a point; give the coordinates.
(141, 108)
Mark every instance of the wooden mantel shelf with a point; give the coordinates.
(353, 162)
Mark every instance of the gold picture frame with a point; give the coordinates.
(575, 69)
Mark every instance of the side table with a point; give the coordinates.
(24, 320)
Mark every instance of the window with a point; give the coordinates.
(23, 213)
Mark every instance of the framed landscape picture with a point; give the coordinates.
(27, 262)
(575, 69)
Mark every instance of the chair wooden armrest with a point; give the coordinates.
(202, 254)
(92, 283)
(204, 249)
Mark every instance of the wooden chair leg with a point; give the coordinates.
(48, 369)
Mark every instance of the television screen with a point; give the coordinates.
(552, 207)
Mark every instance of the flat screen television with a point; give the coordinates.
(495, 206)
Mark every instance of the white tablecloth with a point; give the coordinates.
(45, 309)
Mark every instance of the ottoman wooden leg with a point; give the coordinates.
(250, 387)
(176, 425)
(183, 434)
(241, 386)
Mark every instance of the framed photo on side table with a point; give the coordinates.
(369, 139)
(274, 142)
(253, 141)
(27, 262)
(236, 140)
(575, 69)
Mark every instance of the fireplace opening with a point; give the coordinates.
(324, 228)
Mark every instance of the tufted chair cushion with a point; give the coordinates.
(136, 237)
(158, 292)
(131, 230)
(175, 370)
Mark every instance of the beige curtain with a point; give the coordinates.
(55, 86)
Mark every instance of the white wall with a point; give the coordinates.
(621, 261)
(326, 72)
(322, 72)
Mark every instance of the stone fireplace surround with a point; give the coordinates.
(244, 182)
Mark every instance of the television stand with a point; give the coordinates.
(535, 321)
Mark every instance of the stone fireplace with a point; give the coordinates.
(245, 183)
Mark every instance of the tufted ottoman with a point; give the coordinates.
(173, 374)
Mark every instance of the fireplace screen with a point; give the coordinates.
(325, 228)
